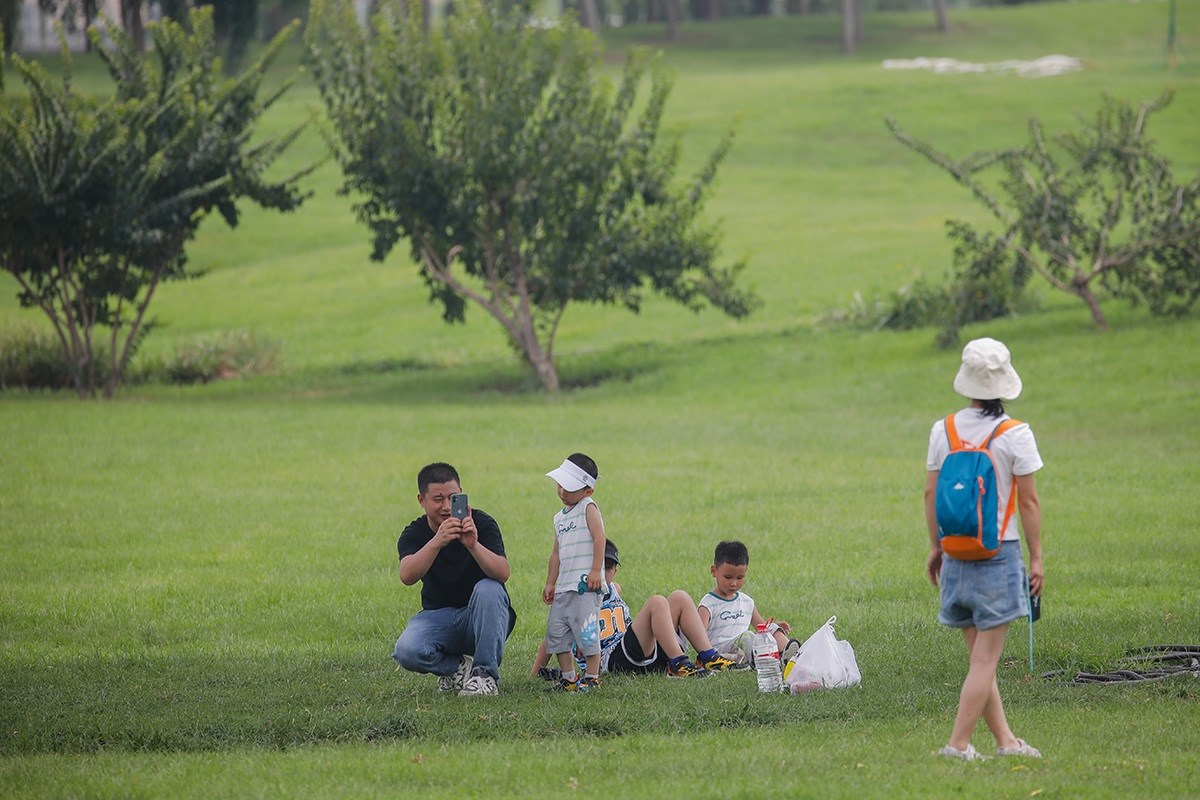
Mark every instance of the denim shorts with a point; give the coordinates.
(984, 594)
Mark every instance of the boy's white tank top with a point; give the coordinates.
(574, 545)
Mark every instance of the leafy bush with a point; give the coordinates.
(1098, 214)
(32, 358)
(217, 356)
(987, 282)
(914, 305)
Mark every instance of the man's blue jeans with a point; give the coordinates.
(436, 639)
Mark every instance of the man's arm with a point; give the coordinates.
(1031, 525)
(494, 565)
(414, 565)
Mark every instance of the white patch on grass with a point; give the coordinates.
(1043, 67)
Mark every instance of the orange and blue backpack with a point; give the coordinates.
(966, 498)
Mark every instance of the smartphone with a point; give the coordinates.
(1035, 607)
(458, 506)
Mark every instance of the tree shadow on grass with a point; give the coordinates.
(415, 381)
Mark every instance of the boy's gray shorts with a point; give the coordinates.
(574, 619)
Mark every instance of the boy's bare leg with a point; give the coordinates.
(654, 625)
(540, 660)
(566, 662)
(686, 619)
(592, 665)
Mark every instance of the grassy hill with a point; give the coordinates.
(198, 592)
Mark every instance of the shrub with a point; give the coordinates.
(223, 355)
(32, 358)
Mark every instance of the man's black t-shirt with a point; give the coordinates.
(453, 574)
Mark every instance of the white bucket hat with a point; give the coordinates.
(572, 477)
(987, 372)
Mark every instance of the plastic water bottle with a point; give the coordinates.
(766, 662)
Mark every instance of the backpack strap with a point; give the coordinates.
(1006, 425)
(956, 443)
(952, 434)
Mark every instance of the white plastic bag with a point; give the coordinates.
(823, 662)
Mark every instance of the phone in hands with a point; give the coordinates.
(1035, 607)
(458, 506)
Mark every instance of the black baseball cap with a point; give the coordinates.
(610, 552)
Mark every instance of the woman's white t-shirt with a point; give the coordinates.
(1014, 452)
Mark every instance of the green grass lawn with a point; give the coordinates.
(198, 593)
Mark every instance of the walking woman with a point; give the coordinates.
(983, 596)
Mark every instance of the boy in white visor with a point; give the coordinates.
(575, 575)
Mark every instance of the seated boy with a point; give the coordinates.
(729, 614)
(655, 644)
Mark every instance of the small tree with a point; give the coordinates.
(1101, 212)
(522, 182)
(99, 198)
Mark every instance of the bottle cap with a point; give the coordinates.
(762, 628)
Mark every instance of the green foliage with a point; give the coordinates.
(98, 198)
(1101, 212)
(216, 356)
(32, 358)
(522, 181)
(987, 283)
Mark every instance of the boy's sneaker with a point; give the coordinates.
(552, 674)
(789, 651)
(588, 683)
(479, 684)
(455, 681)
(565, 685)
(1023, 748)
(686, 669)
(718, 663)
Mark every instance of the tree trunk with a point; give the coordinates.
(131, 20)
(538, 357)
(672, 11)
(939, 9)
(591, 16)
(1093, 305)
(848, 38)
(714, 10)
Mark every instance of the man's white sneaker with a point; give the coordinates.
(1023, 748)
(455, 681)
(479, 684)
(970, 754)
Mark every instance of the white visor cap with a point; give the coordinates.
(572, 477)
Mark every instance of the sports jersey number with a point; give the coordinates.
(613, 622)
